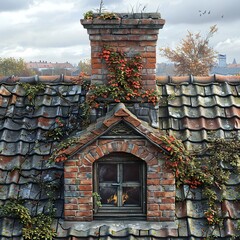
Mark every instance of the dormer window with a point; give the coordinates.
(121, 183)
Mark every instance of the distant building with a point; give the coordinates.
(222, 60)
(165, 69)
(223, 68)
(49, 68)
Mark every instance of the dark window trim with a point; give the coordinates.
(121, 212)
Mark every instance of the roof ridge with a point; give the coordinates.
(216, 78)
(41, 79)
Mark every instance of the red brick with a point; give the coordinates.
(153, 161)
(164, 194)
(105, 31)
(124, 146)
(90, 157)
(168, 175)
(149, 65)
(168, 200)
(149, 55)
(148, 43)
(85, 187)
(70, 174)
(167, 207)
(135, 149)
(104, 141)
(130, 21)
(83, 213)
(86, 181)
(121, 31)
(85, 169)
(85, 200)
(99, 152)
(168, 182)
(104, 149)
(70, 163)
(111, 121)
(97, 65)
(153, 175)
(153, 213)
(122, 44)
(87, 193)
(70, 206)
(70, 169)
(133, 121)
(151, 60)
(97, 60)
(85, 207)
(104, 22)
(85, 162)
(70, 212)
(153, 207)
(153, 181)
(139, 143)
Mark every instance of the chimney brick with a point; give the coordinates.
(131, 33)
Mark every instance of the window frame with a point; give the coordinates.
(121, 212)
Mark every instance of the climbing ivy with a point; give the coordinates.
(32, 90)
(124, 80)
(210, 172)
(38, 227)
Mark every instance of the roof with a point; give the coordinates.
(196, 108)
(192, 108)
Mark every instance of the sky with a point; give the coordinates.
(50, 30)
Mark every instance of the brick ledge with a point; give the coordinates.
(118, 228)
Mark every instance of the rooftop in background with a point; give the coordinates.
(47, 65)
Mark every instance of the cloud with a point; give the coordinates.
(49, 29)
(198, 12)
(13, 5)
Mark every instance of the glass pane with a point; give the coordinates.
(107, 172)
(108, 195)
(131, 195)
(131, 172)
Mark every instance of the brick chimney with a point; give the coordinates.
(131, 33)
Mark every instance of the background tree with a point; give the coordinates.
(85, 66)
(11, 66)
(193, 55)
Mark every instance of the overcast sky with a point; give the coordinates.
(50, 30)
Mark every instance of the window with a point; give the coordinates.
(120, 182)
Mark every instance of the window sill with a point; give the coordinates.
(121, 228)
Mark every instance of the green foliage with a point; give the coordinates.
(57, 132)
(97, 199)
(124, 80)
(11, 66)
(88, 15)
(59, 154)
(108, 16)
(38, 227)
(32, 90)
(206, 172)
(85, 66)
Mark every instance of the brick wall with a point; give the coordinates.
(130, 33)
(78, 175)
(133, 34)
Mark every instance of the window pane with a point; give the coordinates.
(131, 172)
(108, 195)
(107, 173)
(131, 195)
